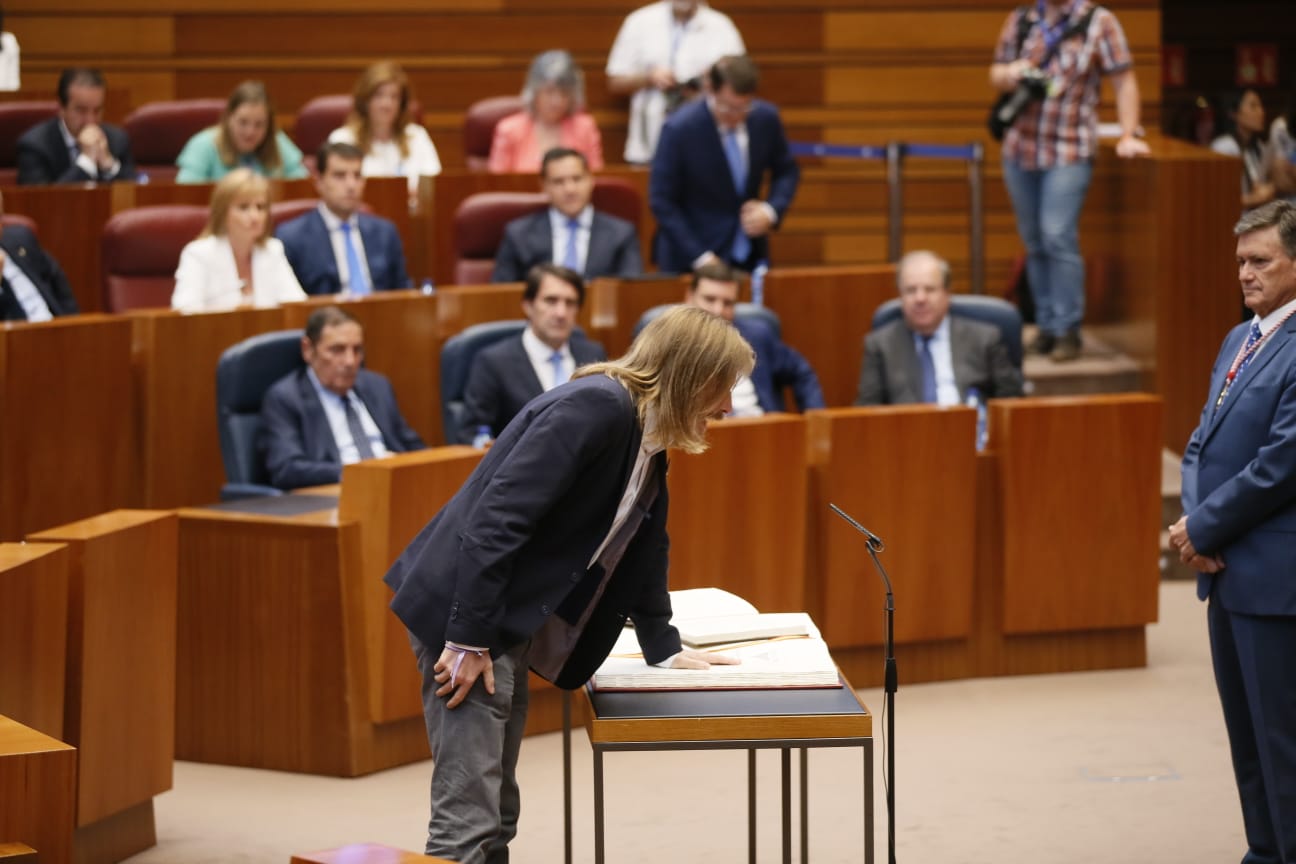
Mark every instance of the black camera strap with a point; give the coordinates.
(1024, 26)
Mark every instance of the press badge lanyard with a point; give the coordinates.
(1244, 355)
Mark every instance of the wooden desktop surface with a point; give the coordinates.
(37, 791)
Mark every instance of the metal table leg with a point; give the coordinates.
(751, 805)
(785, 759)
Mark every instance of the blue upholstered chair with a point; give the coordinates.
(243, 374)
(741, 310)
(456, 361)
(976, 307)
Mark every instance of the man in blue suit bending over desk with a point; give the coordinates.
(1239, 531)
(336, 247)
(711, 160)
(331, 412)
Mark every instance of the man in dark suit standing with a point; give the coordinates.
(336, 247)
(570, 232)
(510, 373)
(555, 541)
(711, 161)
(33, 287)
(332, 412)
(1239, 530)
(76, 146)
(778, 365)
(930, 355)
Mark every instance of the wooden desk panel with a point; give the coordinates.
(37, 791)
(908, 474)
(391, 500)
(735, 512)
(70, 220)
(66, 437)
(461, 306)
(33, 634)
(1081, 481)
(120, 710)
(175, 358)
(271, 651)
(400, 342)
(825, 312)
(615, 305)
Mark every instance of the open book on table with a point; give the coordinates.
(776, 649)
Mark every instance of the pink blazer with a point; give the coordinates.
(515, 150)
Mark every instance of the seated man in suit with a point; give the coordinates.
(715, 289)
(331, 412)
(76, 146)
(510, 373)
(33, 287)
(335, 247)
(930, 355)
(570, 232)
(711, 161)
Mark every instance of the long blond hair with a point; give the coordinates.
(679, 367)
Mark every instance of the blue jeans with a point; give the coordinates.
(1047, 204)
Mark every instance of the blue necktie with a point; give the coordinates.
(928, 371)
(738, 170)
(560, 373)
(571, 258)
(358, 282)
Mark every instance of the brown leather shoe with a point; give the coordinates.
(1067, 348)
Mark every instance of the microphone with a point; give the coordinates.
(875, 542)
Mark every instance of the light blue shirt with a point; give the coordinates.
(560, 233)
(335, 412)
(26, 292)
(943, 360)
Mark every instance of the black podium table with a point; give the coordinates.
(751, 720)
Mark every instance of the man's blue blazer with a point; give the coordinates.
(310, 252)
(691, 190)
(296, 441)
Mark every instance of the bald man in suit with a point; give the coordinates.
(930, 355)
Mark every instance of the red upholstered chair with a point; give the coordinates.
(15, 119)
(285, 211)
(321, 115)
(618, 197)
(24, 221)
(159, 130)
(479, 227)
(479, 127)
(141, 250)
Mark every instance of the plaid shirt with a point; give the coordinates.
(1063, 128)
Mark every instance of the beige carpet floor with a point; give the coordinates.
(1129, 766)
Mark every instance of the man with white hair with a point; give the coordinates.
(929, 355)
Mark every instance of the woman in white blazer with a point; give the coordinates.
(235, 262)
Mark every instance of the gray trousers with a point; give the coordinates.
(475, 802)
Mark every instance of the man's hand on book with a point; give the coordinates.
(691, 658)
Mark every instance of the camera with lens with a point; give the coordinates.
(1033, 86)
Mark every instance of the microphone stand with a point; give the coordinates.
(875, 545)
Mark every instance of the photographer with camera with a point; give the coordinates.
(660, 55)
(1049, 63)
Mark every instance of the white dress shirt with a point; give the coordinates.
(335, 412)
(26, 292)
(539, 354)
(745, 403)
(334, 226)
(943, 359)
(560, 233)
